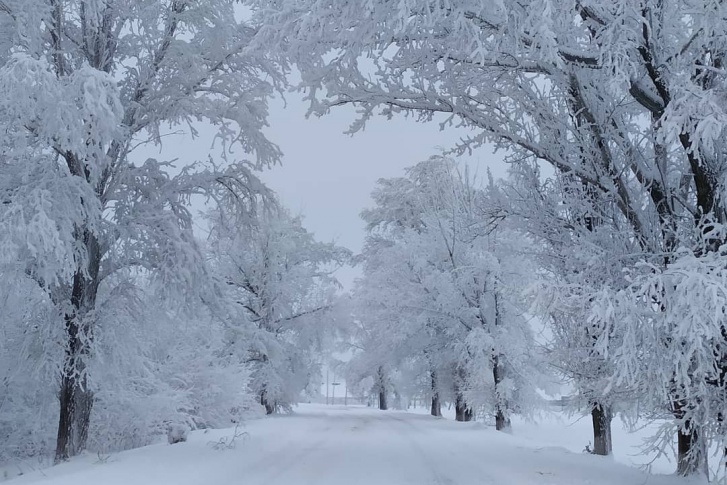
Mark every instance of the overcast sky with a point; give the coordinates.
(328, 176)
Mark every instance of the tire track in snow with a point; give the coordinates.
(291, 460)
(283, 465)
(438, 461)
(437, 477)
(275, 458)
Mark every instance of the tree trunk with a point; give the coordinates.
(75, 398)
(691, 449)
(502, 420)
(460, 405)
(462, 411)
(264, 401)
(382, 390)
(601, 417)
(64, 440)
(436, 405)
(458, 410)
(75, 416)
(83, 407)
(269, 406)
(691, 455)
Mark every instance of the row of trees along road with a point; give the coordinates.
(439, 310)
(117, 320)
(624, 100)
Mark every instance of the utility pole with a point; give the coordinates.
(326, 385)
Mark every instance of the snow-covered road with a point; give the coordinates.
(355, 445)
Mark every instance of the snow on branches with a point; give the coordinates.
(623, 100)
(88, 219)
(441, 296)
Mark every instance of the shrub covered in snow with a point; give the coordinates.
(177, 433)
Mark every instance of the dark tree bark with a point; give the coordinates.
(691, 449)
(382, 399)
(601, 416)
(460, 405)
(75, 397)
(76, 402)
(264, 401)
(502, 421)
(459, 408)
(691, 456)
(436, 404)
(269, 405)
(382, 390)
(462, 411)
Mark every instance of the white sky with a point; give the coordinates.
(328, 176)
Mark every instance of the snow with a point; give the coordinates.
(338, 445)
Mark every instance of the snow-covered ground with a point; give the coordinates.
(574, 432)
(322, 445)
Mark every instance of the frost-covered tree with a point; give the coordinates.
(162, 364)
(281, 280)
(624, 96)
(396, 329)
(371, 365)
(27, 356)
(668, 326)
(82, 84)
(156, 362)
(576, 240)
(445, 285)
